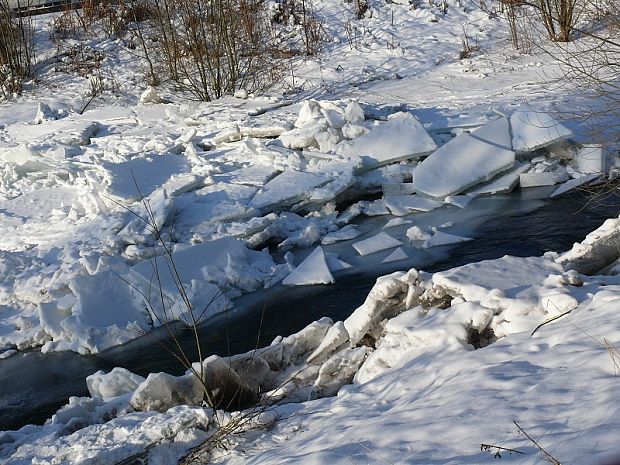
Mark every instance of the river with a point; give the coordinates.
(34, 385)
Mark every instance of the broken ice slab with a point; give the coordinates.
(207, 272)
(253, 175)
(139, 177)
(19, 155)
(533, 129)
(542, 179)
(396, 222)
(300, 138)
(106, 312)
(575, 183)
(394, 188)
(401, 205)
(442, 238)
(590, 159)
(381, 241)
(400, 138)
(316, 155)
(501, 184)
(313, 270)
(341, 175)
(334, 263)
(346, 233)
(264, 132)
(396, 256)
(65, 131)
(460, 201)
(462, 122)
(496, 132)
(110, 113)
(211, 205)
(287, 189)
(461, 163)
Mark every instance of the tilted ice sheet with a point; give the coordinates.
(458, 165)
(313, 270)
(139, 177)
(495, 133)
(400, 138)
(501, 184)
(533, 129)
(287, 188)
(377, 243)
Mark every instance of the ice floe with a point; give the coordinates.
(377, 243)
(458, 165)
(402, 137)
(313, 270)
(533, 129)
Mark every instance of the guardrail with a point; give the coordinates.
(39, 7)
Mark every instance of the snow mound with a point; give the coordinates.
(117, 382)
(150, 95)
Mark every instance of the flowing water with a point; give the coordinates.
(34, 385)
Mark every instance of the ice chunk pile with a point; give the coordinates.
(86, 198)
(323, 124)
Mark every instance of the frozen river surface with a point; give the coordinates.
(35, 385)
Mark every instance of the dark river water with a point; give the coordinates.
(34, 385)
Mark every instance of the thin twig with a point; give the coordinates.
(548, 457)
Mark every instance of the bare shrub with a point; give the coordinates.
(213, 47)
(16, 50)
(110, 17)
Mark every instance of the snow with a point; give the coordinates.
(458, 165)
(313, 270)
(224, 179)
(533, 129)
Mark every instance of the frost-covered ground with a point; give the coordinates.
(387, 108)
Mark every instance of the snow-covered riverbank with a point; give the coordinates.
(254, 191)
(440, 364)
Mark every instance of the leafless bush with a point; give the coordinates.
(468, 48)
(16, 50)
(530, 19)
(112, 17)
(213, 47)
(300, 14)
